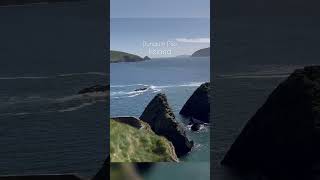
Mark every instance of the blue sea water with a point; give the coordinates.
(178, 78)
(49, 53)
(187, 171)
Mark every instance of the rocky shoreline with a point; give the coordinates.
(159, 119)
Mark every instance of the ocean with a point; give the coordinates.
(48, 54)
(188, 171)
(252, 57)
(178, 78)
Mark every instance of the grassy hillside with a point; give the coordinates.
(118, 56)
(128, 144)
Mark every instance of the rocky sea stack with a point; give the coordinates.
(198, 105)
(160, 117)
(283, 138)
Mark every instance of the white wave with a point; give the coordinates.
(24, 77)
(85, 73)
(48, 77)
(129, 85)
(197, 147)
(29, 99)
(134, 95)
(15, 114)
(191, 84)
(25, 113)
(94, 95)
(128, 92)
(76, 107)
(69, 98)
(152, 88)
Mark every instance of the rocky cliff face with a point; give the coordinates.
(283, 137)
(134, 122)
(160, 117)
(198, 105)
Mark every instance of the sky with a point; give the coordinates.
(165, 28)
(159, 37)
(157, 8)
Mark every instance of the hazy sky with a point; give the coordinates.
(157, 8)
(179, 36)
(142, 26)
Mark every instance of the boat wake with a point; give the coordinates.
(133, 90)
(36, 105)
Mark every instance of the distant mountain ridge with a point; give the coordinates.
(202, 53)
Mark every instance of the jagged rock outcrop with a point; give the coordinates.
(94, 89)
(134, 122)
(198, 105)
(160, 117)
(196, 127)
(283, 137)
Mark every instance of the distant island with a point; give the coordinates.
(119, 56)
(202, 53)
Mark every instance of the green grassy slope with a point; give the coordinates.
(128, 144)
